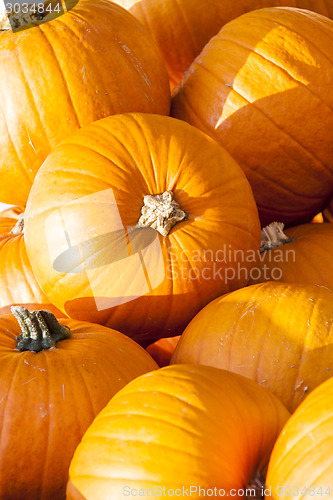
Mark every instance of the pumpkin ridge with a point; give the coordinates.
(258, 109)
(281, 68)
(35, 107)
(62, 75)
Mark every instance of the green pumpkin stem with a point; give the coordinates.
(161, 212)
(40, 329)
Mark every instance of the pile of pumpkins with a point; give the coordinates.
(166, 271)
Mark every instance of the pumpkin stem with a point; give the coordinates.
(19, 226)
(15, 20)
(272, 236)
(40, 329)
(161, 212)
(258, 485)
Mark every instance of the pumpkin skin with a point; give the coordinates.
(130, 156)
(178, 426)
(181, 29)
(102, 62)
(162, 350)
(328, 212)
(249, 88)
(277, 334)
(306, 440)
(307, 259)
(18, 285)
(48, 399)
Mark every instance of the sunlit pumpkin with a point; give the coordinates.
(302, 458)
(181, 29)
(178, 427)
(54, 379)
(18, 284)
(93, 61)
(127, 220)
(299, 254)
(252, 88)
(279, 335)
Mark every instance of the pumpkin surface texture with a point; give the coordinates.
(306, 440)
(53, 382)
(126, 221)
(279, 335)
(181, 29)
(176, 427)
(94, 61)
(18, 284)
(249, 89)
(300, 254)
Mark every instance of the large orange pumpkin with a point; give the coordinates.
(18, 284)
(181, 29)
(53, 382)
(279, 335)
(302, 460)
(300, 254)
(261, 87)
(128, 219)
(91, 62)
(176, 428)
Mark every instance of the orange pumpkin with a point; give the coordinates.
(49, 395)
(181, 29)
(300, 254)
(302, 460)
(91, 62)
(147, 275)
(249, 89)
(18, 284)
(279, 335)
(328, 212)
(162, 350)
(176, 428)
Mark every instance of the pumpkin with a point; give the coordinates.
(54, 379)
(300, 254)
(277, 334)
(93, 61)
(18, 284)
(162, 350)
(177, 428)
(128, 219)
(181, 29)
(250, 89)
(305, 441)
(328, 212)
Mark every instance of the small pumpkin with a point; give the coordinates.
(277, 334)
(128, 219)
(54, 379)
(18, 284)
(162, 350)
(305, 441)
(299, 254)
(176, 428)
(181, 29)
(93, 61)
(249, 88)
